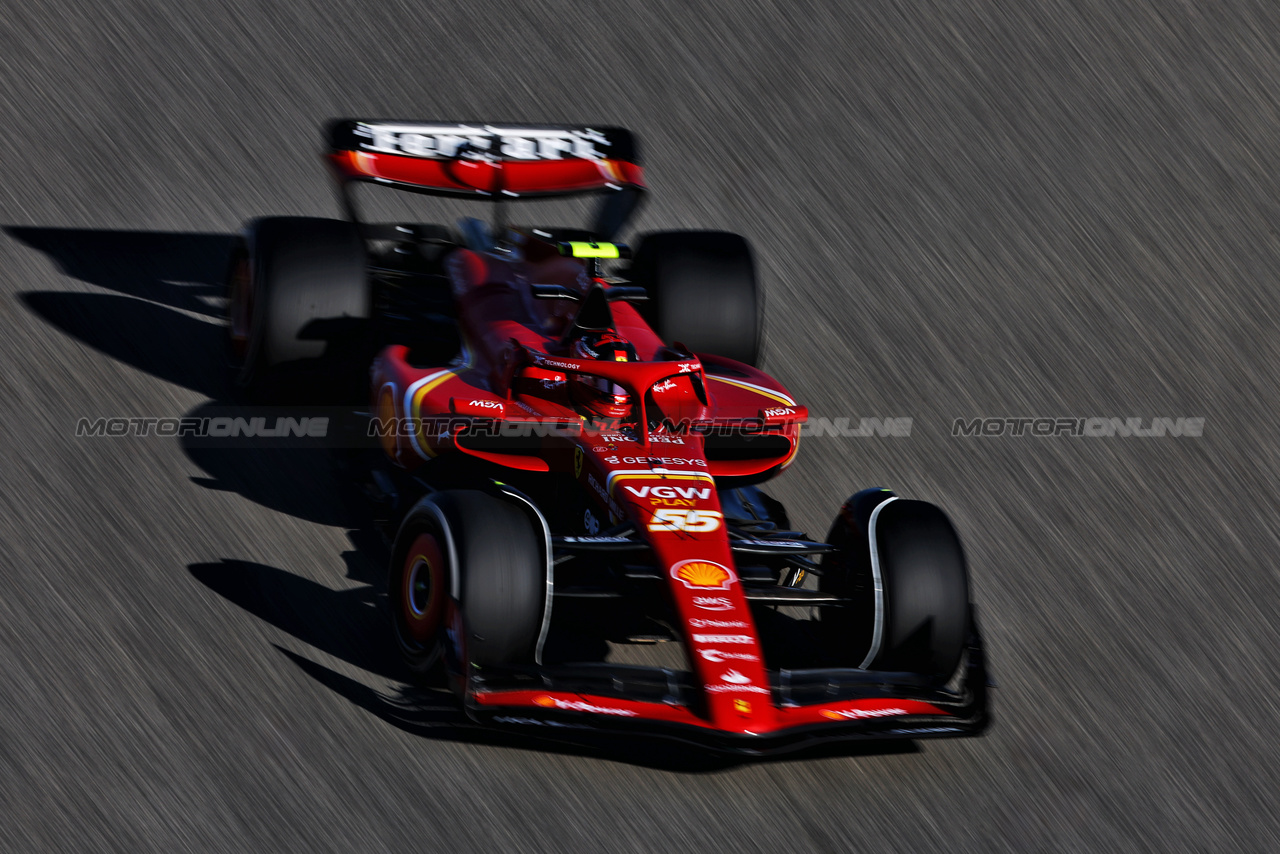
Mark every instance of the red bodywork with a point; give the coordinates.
(661, 481)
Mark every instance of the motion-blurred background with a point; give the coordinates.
(960, 209)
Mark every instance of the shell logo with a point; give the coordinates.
(703, 574)
(545, 702)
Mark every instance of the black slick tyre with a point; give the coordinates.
(902, 568)
(702, 291)
(299, 308)
(495, 551)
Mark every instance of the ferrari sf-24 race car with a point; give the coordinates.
(569, 459)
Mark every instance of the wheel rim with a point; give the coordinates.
(422, 592)
(418, 596)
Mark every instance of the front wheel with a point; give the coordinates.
(903, 572)
(418, 590)
(486, 553)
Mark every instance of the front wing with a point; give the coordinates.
(811, 706)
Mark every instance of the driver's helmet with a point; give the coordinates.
(596, 395)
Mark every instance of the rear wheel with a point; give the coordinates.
(702, 292)
(501, 571)
(298, 306)
(902, 569)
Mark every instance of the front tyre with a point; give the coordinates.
(418, 590)
(487, 553)
(903, 572)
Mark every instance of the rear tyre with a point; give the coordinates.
(702, 291)
(501, 571)
(299, 307)
(902, 567)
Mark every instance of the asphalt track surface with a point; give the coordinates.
(961, 209)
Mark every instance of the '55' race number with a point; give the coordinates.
(690, 521)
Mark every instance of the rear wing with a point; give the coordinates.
(487, 161)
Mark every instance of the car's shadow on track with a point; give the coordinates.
(163, 316)
(298, 478)
(345, 624)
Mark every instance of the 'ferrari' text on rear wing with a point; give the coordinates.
(485, 160)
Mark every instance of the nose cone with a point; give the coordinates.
(720, 635)
(667, 491)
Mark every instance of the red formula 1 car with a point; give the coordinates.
(569, 459)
